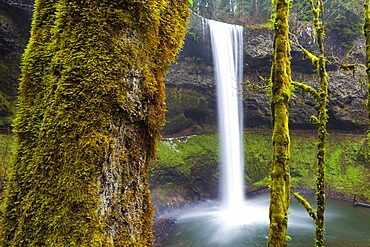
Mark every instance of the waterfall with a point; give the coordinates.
(235, 221)
(227, 50)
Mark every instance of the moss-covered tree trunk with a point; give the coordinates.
(322, 120)
(280, 172)
(366, 29)
(93, 84)
(321, 98)
(30, 113)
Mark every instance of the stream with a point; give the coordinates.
(346, 225)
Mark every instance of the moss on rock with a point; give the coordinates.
(185, 108)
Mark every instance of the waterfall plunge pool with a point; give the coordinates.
(206, 226)
(235, 222)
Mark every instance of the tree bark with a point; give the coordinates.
(366, 29)
(81, 173)
(280, 171)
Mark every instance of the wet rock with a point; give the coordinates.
(347, 91)
(162, 229)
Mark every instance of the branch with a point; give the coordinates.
(306, 205)
(349, 66)
(307, 89)
(251, 88)
(352, 67)
(306, 53)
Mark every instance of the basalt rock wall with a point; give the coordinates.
(191, 99)
(190, 85)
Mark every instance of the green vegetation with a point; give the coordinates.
(192, 163)
(189, 165)
(184, 109)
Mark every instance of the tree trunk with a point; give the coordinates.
(367, 37)
(280, 171)
(322, 120)
(81, 169)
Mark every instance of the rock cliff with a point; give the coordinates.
(190, 85)
(191, 99)
(14, 31)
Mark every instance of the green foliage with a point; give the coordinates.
(192, 162)
(364, 154)
(236, 11)
(257, 157)
(344, 172)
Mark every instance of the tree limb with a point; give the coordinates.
(307, 89)
(314, 59)
(306, 205)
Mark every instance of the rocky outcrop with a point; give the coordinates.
(193, 75)
(14, 28)
(191, 99)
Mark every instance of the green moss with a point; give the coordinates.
(366, 30)
(185, 108)
(281, 84)
(93, 89)
(363, 157)
(6, 153)
(188, 162)
(177, 159)
(257, 158)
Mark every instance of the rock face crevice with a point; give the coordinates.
(193, 76)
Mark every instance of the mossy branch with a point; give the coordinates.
(314, 119)
(250, 88)
(307, 89)
(351, 67)
(317, 11)
(314, 59)
(306, 205)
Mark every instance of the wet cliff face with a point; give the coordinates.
(190, 86)
(193, 75)
(14, 31)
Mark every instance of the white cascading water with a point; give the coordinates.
(238, 222)
(227, 50)
(233, 222)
